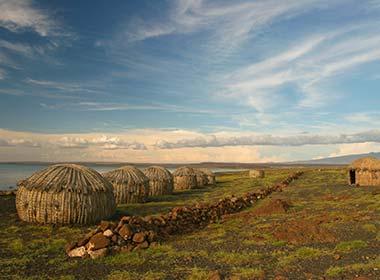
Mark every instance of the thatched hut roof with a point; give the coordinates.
(207, 171)
(184, 171)
(67, 177)
(161, 181)
(158, 173)
(367, 163)
(129, 183)
(126, 174)
(65, 194)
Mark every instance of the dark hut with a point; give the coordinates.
(160, 180)
(65, 194)
(129, 183)
(254, 173)
(364, 172)
(185, 178)
(210, 176)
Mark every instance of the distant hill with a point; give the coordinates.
(339, 160)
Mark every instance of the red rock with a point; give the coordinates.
(127, 248)
(143, 245)
(114, 238)
(126, 231)
(98, 241)
(139, 237)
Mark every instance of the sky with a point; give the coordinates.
(188, 80)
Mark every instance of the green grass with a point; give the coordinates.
(348, 246)
(240, 245)
(301, 254)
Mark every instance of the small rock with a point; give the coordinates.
(79, 252)
(337, 257)
(98, 253)
(144, 245)
(114, 238)
(126, 231)
(151, 236)
(98, 241)
(108, 233)
(139, 237)
(104, 225)
(127, 248)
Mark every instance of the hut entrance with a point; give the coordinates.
(352, 177)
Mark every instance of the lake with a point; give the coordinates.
(11, 173)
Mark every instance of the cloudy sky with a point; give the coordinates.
(188, 80)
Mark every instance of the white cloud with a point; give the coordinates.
(309, 66)
(20, 15)
(62, 86)
(23, 49)
(17, 142)
(103, 142)
(230, 23)
(269, 140)
(356, 148)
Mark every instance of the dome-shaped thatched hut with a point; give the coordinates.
(160, 180)
(201, 178)
(254, 173)
(185, 178)
(365, 172)
(210, 176)
(129, 183)
(65, 194)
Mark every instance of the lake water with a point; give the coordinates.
(10, 174)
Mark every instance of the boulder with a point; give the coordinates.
(98, 241)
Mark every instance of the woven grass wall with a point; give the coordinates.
(65, 194)
(368, 177)
(129, 183)
(160, 181)
(185, 182)
(64, 207)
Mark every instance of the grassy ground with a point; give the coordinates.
(331, 230)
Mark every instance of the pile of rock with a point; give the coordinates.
(134, 233)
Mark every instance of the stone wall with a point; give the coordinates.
(134, 233)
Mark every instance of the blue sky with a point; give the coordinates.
(188, 80)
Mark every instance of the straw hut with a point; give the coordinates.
(160, 180)
(364, 172)
(185, 178)
(210, 176)
(201, 178)
(65, 194)
(129, 183)
(254, 173)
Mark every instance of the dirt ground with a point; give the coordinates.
(318, 228)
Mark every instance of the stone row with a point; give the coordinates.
(134, 233)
